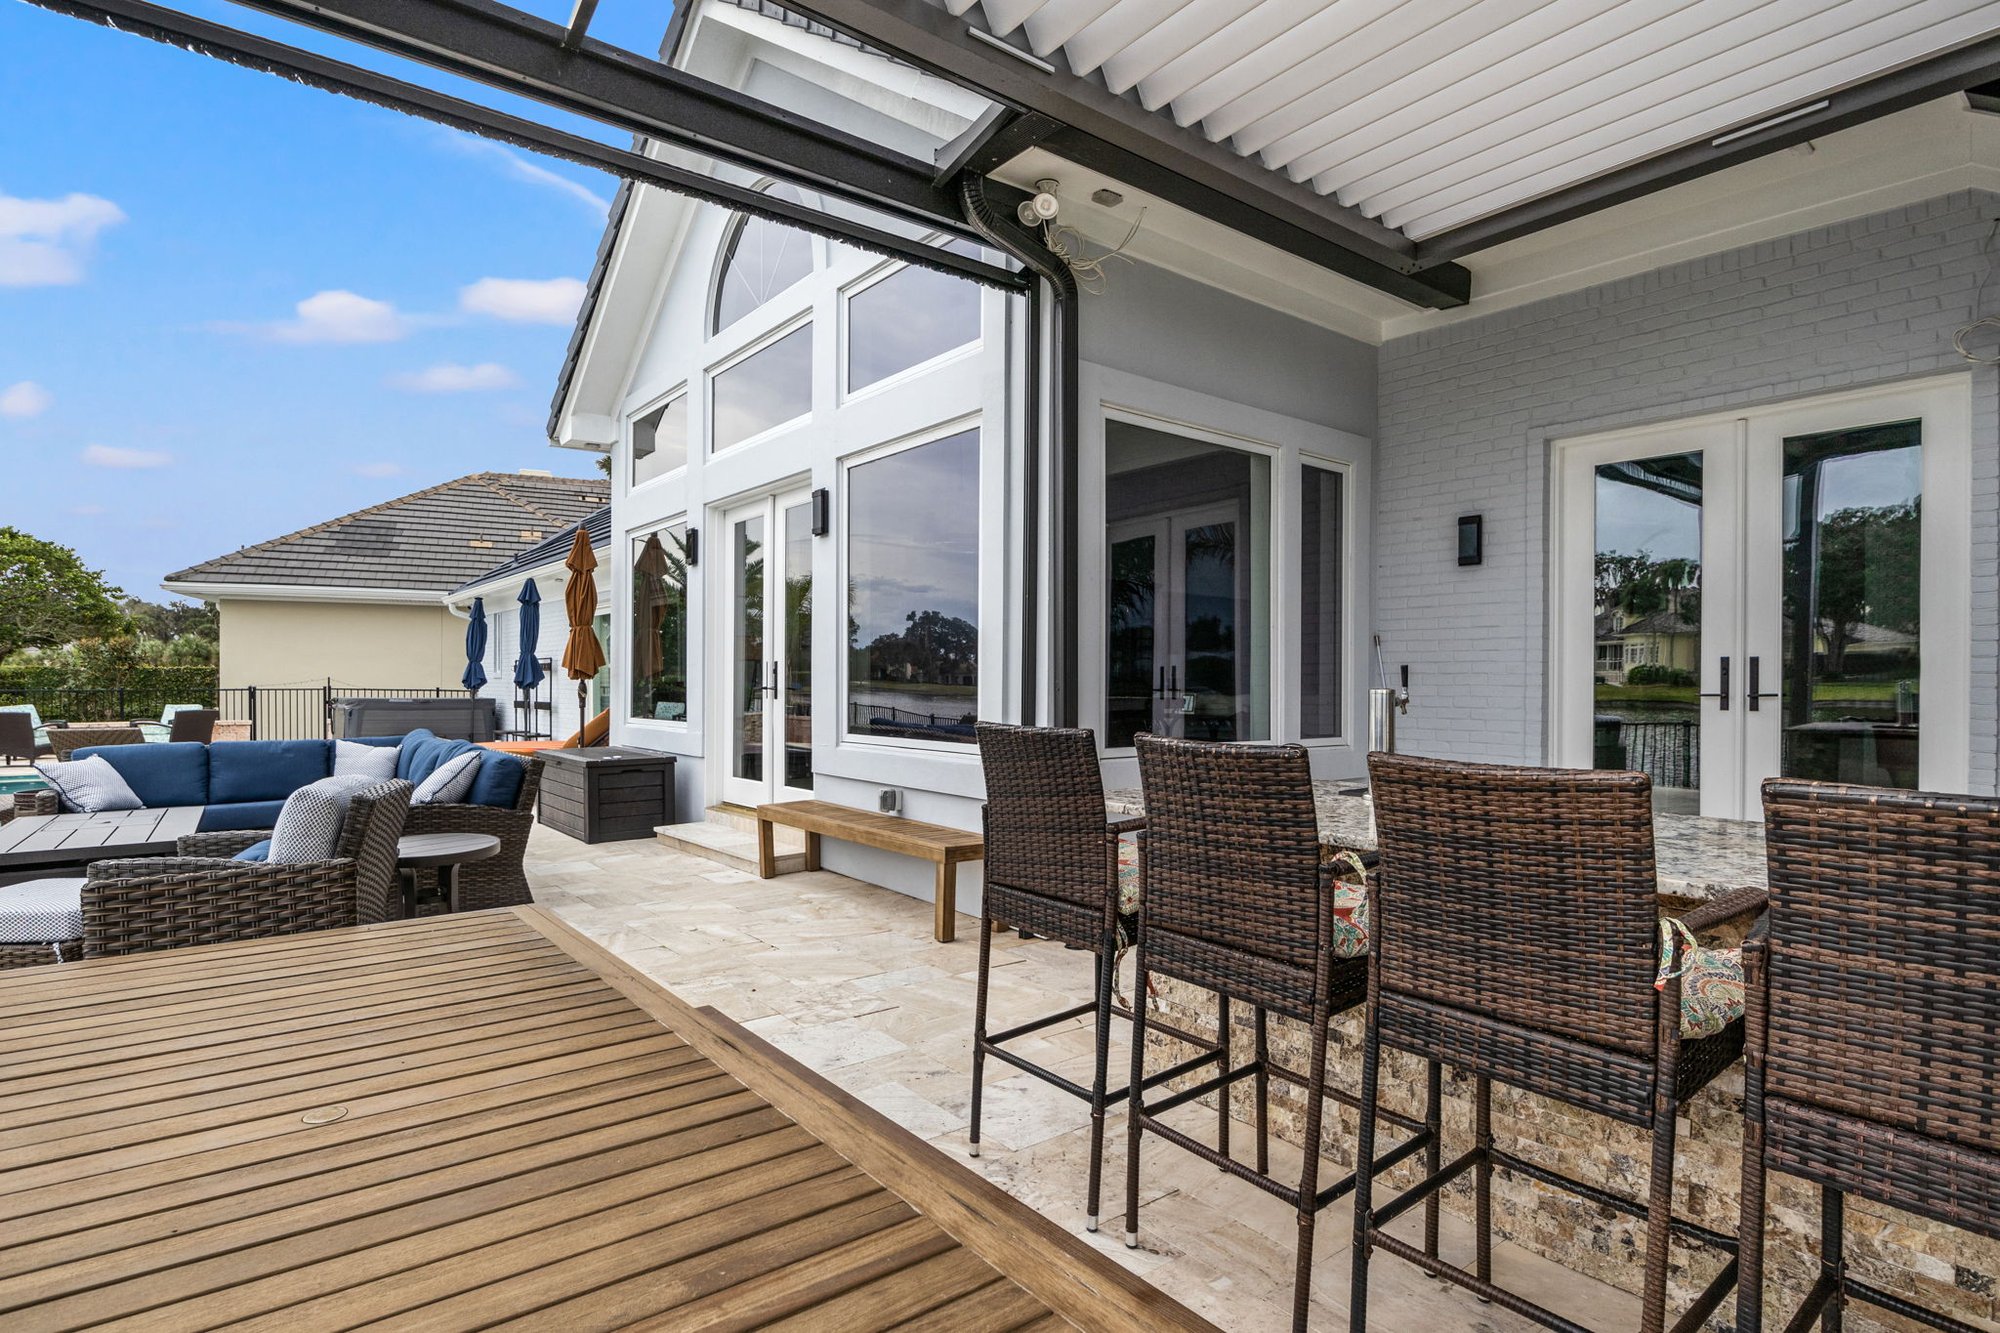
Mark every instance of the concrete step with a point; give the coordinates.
(739, 817)
(728, 845)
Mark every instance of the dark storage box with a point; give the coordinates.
(608, 794)
(462, 719)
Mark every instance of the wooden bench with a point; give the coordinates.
(943, 847)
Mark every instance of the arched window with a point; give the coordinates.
(759, 260)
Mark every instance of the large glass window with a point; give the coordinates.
(660, 625)
(769, 387)
(913, 592)
(759, 260)
(1188, 633)
(1321, 608)
(904, 320)
(659, 440)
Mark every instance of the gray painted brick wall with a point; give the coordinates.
(1468, 410)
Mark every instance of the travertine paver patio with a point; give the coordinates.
(846, 977)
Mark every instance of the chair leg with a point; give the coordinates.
(1222, 1095)
(1107, 955)
(1263, 1093)
(1750, 1223)
(1364, 1181)
(1482, 1180)
(1659, 1212)
(1309, 1177)
(1833, 1255)
(1132, 1125)
(1433, 1155)
(979, 1033)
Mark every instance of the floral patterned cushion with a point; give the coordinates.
(1711, 981)
(1128, 876)
(1350, 902)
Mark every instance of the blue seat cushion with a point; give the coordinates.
(256, 851)
(264, 770)
(423, 751)
(499, 780)
(159, 775)
(241, 815)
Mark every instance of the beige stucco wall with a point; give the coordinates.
(379, 646)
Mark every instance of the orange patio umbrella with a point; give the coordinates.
(583, 655)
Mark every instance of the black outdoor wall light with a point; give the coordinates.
(693, 552)
(822, 512)
(1472, 539)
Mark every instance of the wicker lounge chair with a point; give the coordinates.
(503, 880)
(1238, 900)
(17, 738)
(201, 896)
(1869, 988)
(1483, 961)
(1052, 869)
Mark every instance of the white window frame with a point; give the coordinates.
(843, 363)
(803, 320)
(710, 330)
(655, 404)
(987, 689)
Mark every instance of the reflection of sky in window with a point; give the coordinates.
(767, 389)
(765, 259)
(906, 319)
(1631, 519)
(913, 535)
(1866, 481)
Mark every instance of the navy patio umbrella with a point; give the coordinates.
(475, 646)
(528, 667)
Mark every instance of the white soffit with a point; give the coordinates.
(1429, 114)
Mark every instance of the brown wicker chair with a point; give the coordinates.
(1484, 960)
(17, 738)
(65, 741)
(201, 897)
(1052, 870)
(502, 880)
(1238, 901)
(1874, 993)
(193, 724)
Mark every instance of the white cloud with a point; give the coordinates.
(43, 242)
(528, 171)
(335, 317)
(379, 470)
(106, 455)
(524, 300)
(26, 399)
(449, 378)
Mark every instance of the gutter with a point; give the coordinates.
(300, 592)
(1063, 354)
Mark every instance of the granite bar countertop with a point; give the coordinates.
(1698, 858)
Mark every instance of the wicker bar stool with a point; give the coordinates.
(1238, 901)
(1052, 869)
(1516, 936)
(1873, 999)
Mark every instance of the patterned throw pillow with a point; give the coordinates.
(309, 825)
(1128, 876)
(449, 783)
(1711, 981)
(91, 785)
(369, 761)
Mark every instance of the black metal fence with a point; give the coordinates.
(1667, 750)
(274, 712)
(953, 724)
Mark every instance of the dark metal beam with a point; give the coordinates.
(520, 53)
(1107, 133)
(174, 28)
(997, 137)
(579, 23)
(1898, 90)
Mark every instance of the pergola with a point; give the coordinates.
(1359, 159)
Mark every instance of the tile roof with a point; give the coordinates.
(434, 539)
(552, 551)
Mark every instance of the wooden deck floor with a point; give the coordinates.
(471, 1122)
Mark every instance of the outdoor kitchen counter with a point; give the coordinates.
(1698, 858)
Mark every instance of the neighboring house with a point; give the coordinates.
(826, 526)
(549, 710)
(360, 599)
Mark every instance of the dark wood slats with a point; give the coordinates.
(530, 1135)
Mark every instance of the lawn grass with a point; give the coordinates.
(1826, 691)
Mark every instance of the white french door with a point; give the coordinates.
(767, 701)
(1176, 586)
(1780, 592)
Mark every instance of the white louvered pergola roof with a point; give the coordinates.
(1429, 114)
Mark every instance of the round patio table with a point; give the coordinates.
(430, 861)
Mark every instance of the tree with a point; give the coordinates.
(49, 597)
(172, 620)
(1868, 574)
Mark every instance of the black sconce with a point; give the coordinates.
(692, 553)
(1472, 539)
(822, 512)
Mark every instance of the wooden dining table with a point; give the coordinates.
(474, 1121)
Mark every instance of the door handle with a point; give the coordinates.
(1160, 684)
(1174, 687)
(1753, 694)
(1721, 696)
(772, 688)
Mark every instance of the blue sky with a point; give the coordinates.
(231, 306)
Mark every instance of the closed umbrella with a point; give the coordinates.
(475, 646)
(527, 666)
(583, 655)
